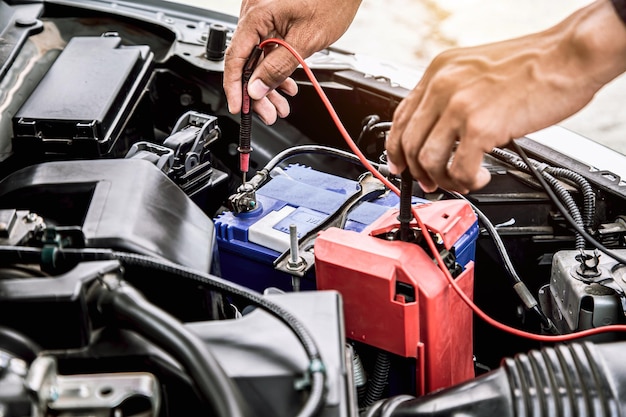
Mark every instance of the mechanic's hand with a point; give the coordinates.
(486, 96)
(307, 25)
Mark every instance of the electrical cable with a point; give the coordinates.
(378, 379)
(245, 125)
(519, 286)
(563, 210)
(302, 149)
(372, 125)
(572, 208)
(261, 175)
(431, 244)
(589, 198)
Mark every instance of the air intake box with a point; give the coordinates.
(82, 104)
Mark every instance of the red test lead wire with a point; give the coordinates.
(431, 244)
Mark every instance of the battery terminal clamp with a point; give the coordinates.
(244, 200)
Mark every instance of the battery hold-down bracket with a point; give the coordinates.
(369, 188)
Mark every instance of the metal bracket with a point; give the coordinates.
(93, 394)
(369, 188)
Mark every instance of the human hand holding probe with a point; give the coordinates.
(475, 99)
(309, 26)
(478, 97)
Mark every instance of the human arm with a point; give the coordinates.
(307, 25)
(485, 96)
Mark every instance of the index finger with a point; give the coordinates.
(242, 43)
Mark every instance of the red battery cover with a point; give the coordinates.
(436, 327)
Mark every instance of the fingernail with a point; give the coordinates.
(483, 177)
(258, 89)
(428, 188)
(393, 169)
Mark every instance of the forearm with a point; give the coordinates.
(620, 8)
(474, 99)
(597, 38)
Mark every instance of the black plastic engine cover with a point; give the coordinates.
(82, 103)
(123, 204)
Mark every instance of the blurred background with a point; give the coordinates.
(413, 32)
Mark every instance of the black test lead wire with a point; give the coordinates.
(245, 127)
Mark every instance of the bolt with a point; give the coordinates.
(295, 262)
(294, 255)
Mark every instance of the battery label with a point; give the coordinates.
(305, 220)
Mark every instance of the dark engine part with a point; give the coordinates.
(566, 380)
(186, 158)
(113, 203)
(586, 290)
(84, 101)
(52, 310)
(256, 352)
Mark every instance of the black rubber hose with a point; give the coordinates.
(379, 379)
(18, 344)
(19, 255)
(578, 379)
(126, 306)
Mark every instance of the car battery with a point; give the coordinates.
(249, 243)
(396, 298)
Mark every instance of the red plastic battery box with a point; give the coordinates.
(397, 299)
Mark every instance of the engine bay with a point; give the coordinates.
(142, 274)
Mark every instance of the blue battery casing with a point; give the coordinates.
(249, 243)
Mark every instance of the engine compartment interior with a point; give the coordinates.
(140, 275)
